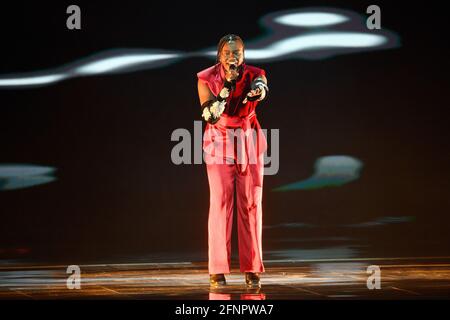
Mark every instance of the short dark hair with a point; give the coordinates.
(225, 39)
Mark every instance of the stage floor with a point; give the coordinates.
(401, 278)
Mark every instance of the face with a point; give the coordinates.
(232, 52)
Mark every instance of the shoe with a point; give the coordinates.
(252, 280)
(253, 290)
(217, 280)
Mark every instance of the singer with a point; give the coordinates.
(229, 93)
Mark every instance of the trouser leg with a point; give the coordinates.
(249, 209)
(220, 219)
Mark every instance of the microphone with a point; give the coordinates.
(233, 82)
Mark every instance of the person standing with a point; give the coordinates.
(229, 93)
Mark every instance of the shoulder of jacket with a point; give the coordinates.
(206, 74)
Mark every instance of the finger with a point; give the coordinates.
(245, 100)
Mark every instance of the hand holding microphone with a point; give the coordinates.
(230, 82)
(213, 109)
(233, 73)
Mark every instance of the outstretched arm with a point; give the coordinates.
(259, 89)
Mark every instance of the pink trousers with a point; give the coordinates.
(223, 177)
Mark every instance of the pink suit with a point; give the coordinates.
(234, 157)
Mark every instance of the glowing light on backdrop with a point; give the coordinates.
(315, 41)
(122, 62)
(31, 81)
(302, 33)
(381, 222)
(19, 176)
(330, 171)
(311, 19)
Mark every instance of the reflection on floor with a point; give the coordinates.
(401, 278)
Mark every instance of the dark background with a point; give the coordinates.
(119, 197)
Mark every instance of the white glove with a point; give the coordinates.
(206, 114)
(217, 108)
(224, 93)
